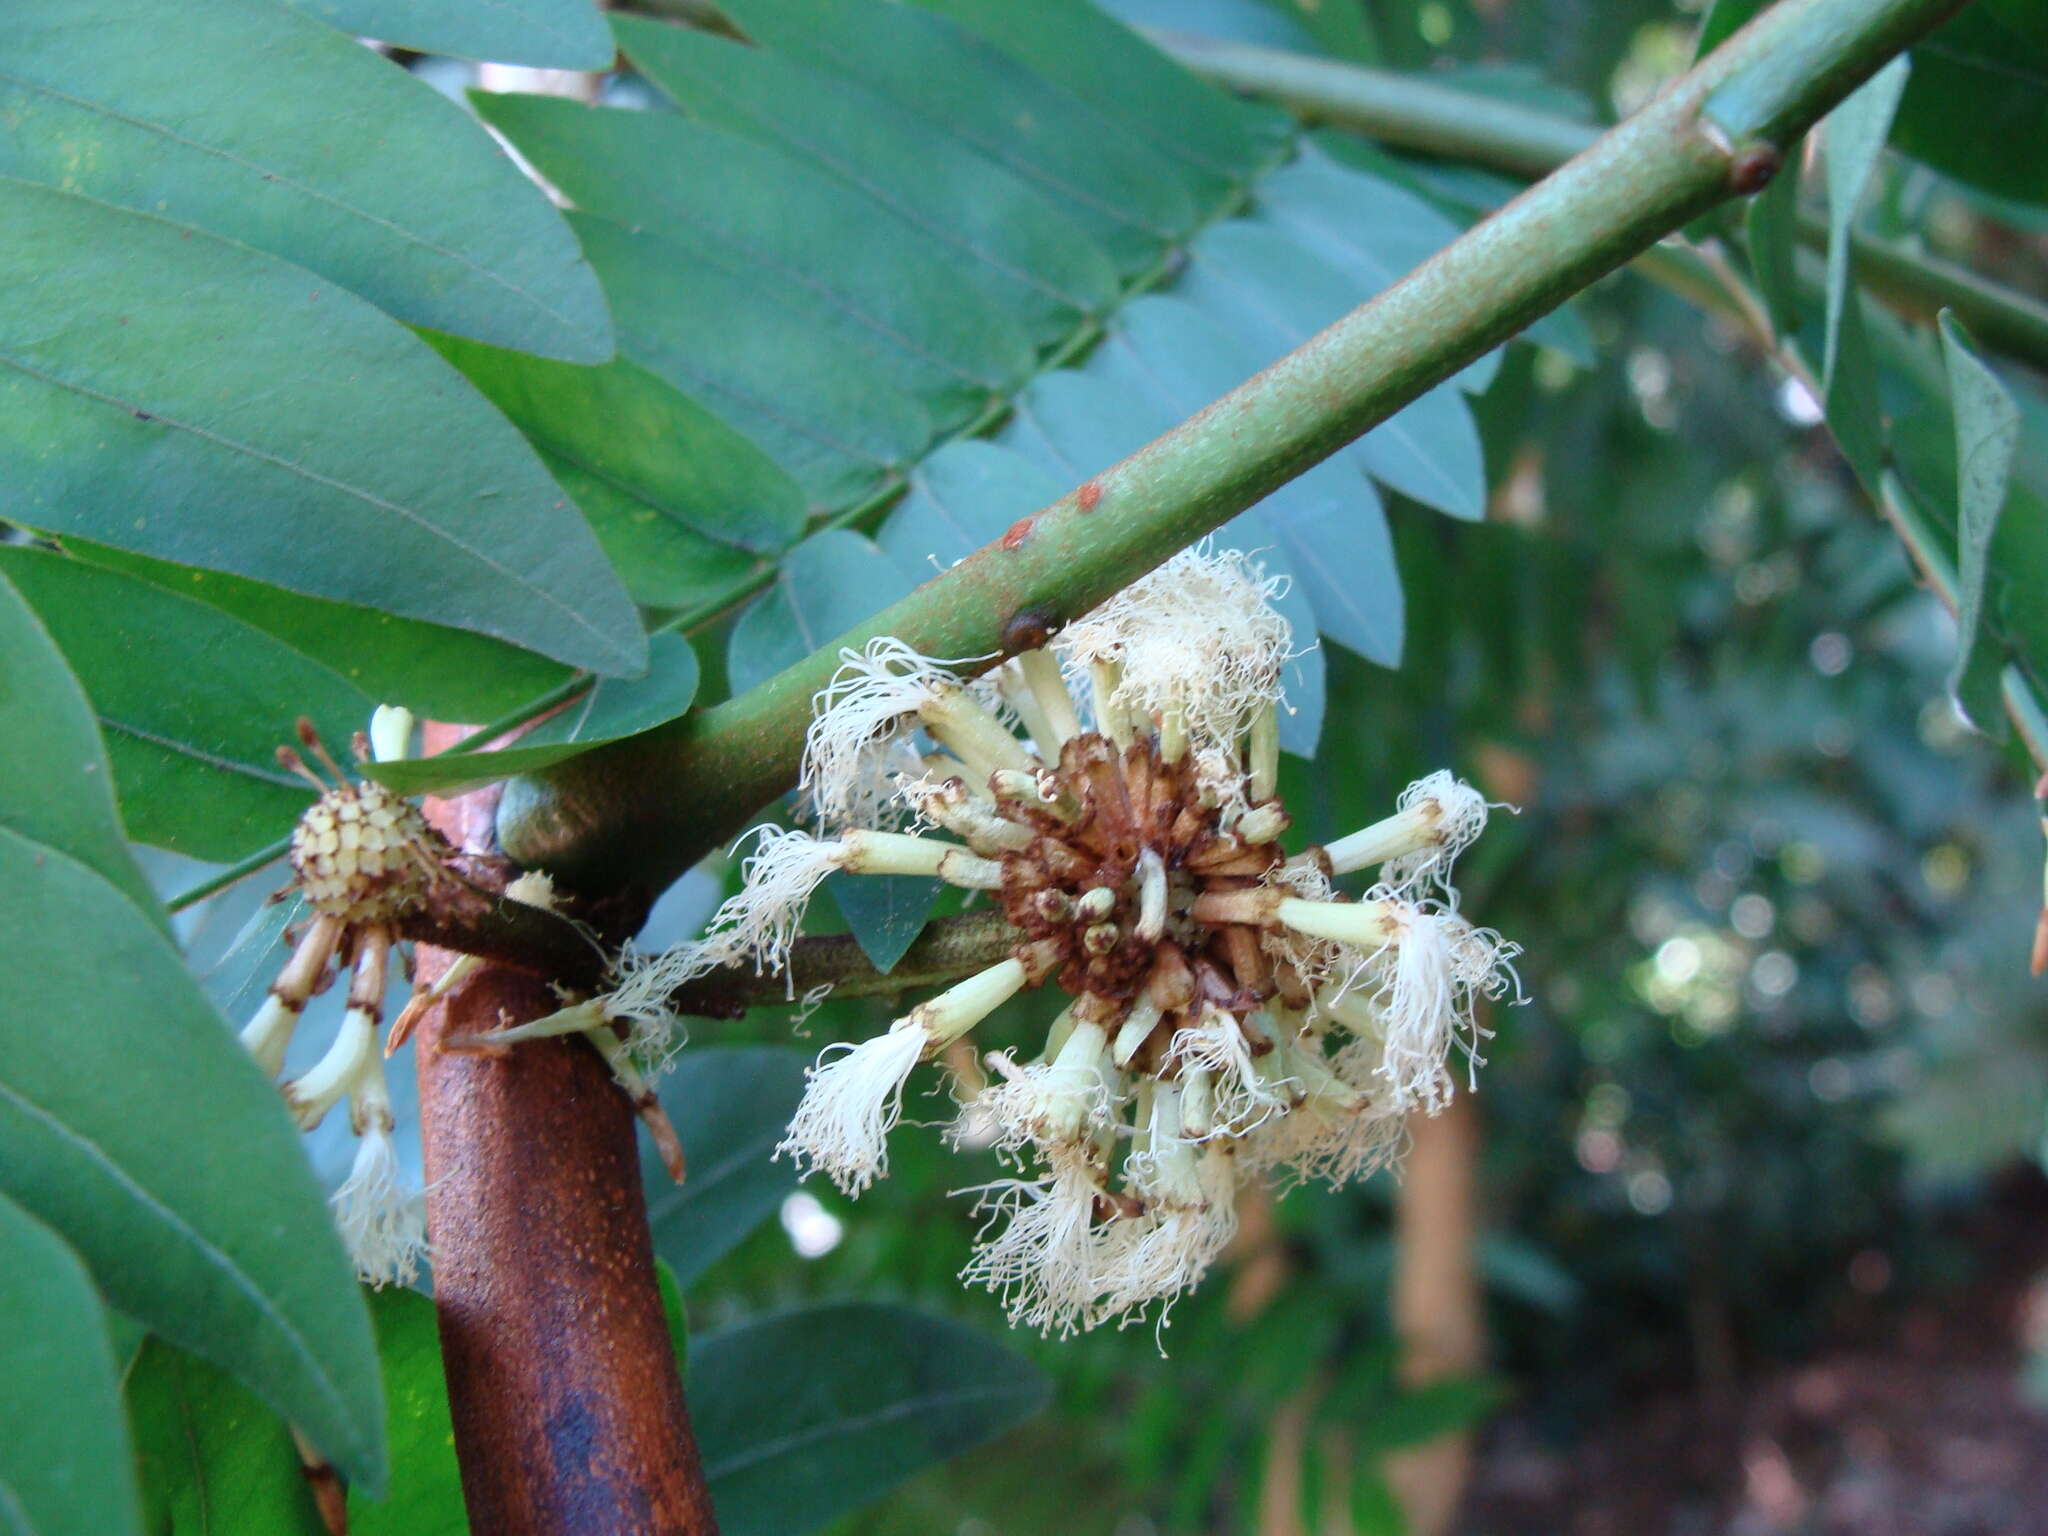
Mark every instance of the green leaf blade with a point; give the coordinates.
(622, 425)
(548, 34)
(886, 1392)
(609, 710)
(64, 1454)
(1855, 138)
(1987, 438)
(133, 1123)
(731, 1105)
(193, 704)
(379, 183)
(214, 1460)
(319, 447)
(814, 245)
(56, 785)
(1022, 252)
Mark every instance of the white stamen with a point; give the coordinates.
(1196, 645)
(1043, 1248)
(855, 1098)
(382, 1222)
(1053, 1104)
(857, 719)
(852, 1101)
(1241, 1094)
(1439, 816)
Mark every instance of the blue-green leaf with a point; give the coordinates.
(56, 785)
(134, 1124)
(809, 400)
(65, 1467)
(730, 1105)
(1987, 436)
(884, 913)
(190, 398)
(623, 426)
(435, 671)
(825, 586)
(885, 1393)
(1855, 137)
(1771, 224)
(322, 153)
(1131, 198)
(193, 704)
(802, 239)
(962, 497)
(609, 710)
(1977, 107)
(553, 34)
(1154, 98)
(1020, 250)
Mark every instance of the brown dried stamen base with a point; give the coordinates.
(1121, 844)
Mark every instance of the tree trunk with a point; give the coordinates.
(568, 1406)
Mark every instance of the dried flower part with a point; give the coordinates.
(1231, 1014)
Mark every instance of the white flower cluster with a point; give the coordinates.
(1232, 1015)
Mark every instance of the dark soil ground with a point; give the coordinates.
(1921, 1424)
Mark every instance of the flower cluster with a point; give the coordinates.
(361, 856)
(1231, 1014)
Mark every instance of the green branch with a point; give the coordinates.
(640, 811)
(947, 949)
(1411, 112)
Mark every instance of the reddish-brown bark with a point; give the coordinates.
(568, 1408)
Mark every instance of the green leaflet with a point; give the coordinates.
(731, 1105)
(1855, 137)
(663, 563)
(193, 399)
(1132, 199)
(808, 398)
(435, 671)
(887, 1392)
(1977, 105)
(606, 711)
(621, 425)
(133, 1123)
(193, 704)
(1215, 138)
(425, 1498)
(1022, 252)
(824, 587)
(554, 34)
(56, 786)
(805, 240)
(325, 155)
(65, 1468)
(1987, 436)
(214, 1460)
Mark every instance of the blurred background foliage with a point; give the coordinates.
(1780, 1039)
